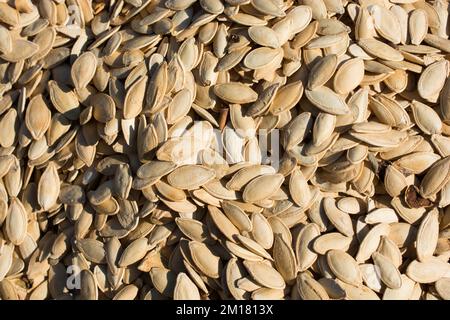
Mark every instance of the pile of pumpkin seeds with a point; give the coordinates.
(224, 149)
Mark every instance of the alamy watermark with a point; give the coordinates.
(73, 281)
(75, 19)
(231, 145)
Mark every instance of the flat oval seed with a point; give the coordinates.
(83, 70)
(349, 76)
(344, 267)
(265, 275)
(205, 260)
(327, 100)
(260, 57)
(190, 177)
(264, 36)
(388, 272)
(262, 187)
(235, 92)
